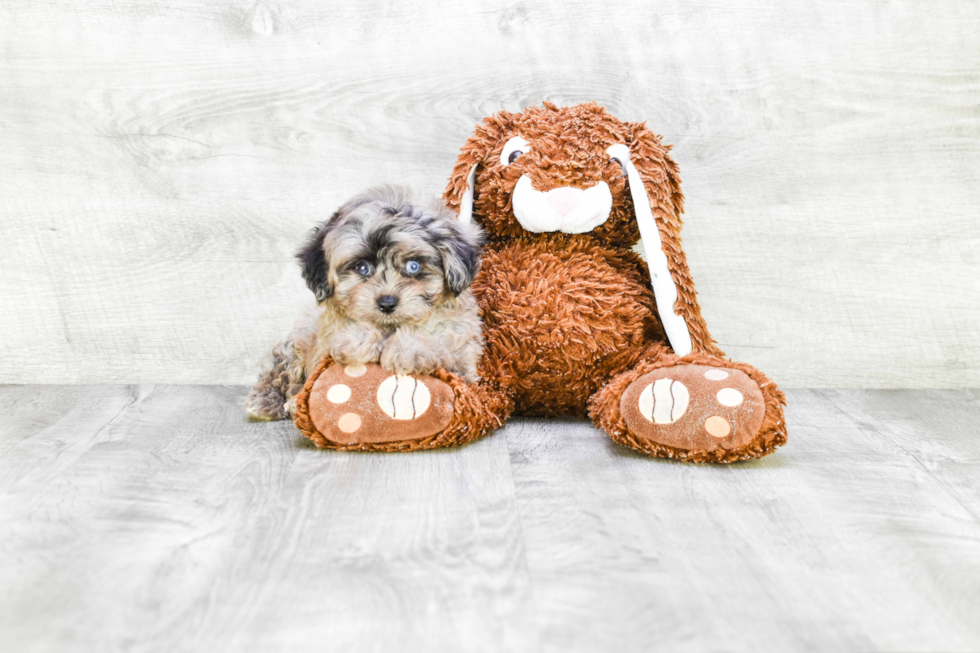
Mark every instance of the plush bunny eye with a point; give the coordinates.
(412, 267)
(364, 268)
(622, 168)
(513, 149)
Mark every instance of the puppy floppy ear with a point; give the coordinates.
(313, 260)
(460, 192)
(458, 244)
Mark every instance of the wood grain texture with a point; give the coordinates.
(841, 541)
(161, 161)
(155, 518)
(172, 524)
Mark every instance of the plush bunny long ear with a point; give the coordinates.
(460, 191)
(664, 287)
(658, 203)
(466, 201)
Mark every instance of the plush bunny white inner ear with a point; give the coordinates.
(466, 202)
(653, 249)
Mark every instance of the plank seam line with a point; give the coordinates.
(945, 488)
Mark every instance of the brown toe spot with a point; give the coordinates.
(717, 427)
(729, 397)
(355, 370)
(349, 422)
(338, 394)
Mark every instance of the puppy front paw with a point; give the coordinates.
(356, 346)
(469, 374)
(407, 354)
(290, 407)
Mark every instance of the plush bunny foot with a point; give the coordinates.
(714, 411)
(364, 407)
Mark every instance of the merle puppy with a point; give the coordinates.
(391, 276)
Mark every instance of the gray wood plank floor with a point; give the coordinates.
(156, 518)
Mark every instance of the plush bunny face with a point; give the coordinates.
(554, 180)
(582, 172)
(550, 170)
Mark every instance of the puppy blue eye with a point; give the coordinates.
(516, 154)
(413, 267)
(364, 269)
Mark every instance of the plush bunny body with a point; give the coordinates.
(562, 315)
(576, 322)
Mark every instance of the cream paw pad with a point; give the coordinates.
(694, 407)
(361, 404)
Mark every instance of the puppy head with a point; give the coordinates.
(387, 258)
(566, 170)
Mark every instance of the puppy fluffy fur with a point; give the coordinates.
(391, 276)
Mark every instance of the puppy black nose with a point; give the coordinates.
(387, 303)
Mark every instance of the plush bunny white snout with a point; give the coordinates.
(566, 209)
(564, 200)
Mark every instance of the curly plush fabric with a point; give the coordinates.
(580, 312)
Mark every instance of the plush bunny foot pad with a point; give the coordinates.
(354, 405)
(694, 407)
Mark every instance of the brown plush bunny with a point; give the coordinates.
(575, 321)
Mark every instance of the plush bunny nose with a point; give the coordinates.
(564, 200)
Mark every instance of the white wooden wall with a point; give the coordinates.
(160, 160)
